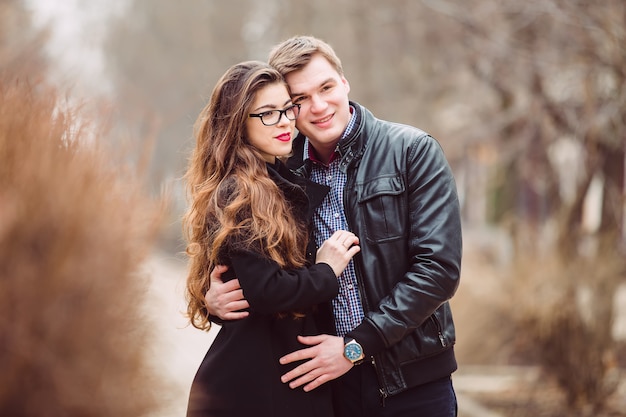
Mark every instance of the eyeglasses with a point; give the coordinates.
(272, 117)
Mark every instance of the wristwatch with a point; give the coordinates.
(353, 351)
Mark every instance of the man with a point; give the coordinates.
(391, 185)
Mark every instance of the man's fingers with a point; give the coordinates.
(297, 372)
(298, 355)
(236, 316)
(216, 273)
(316, 383)
(235, 306)
(310, 379)
(231, 296)
(231, 285)
(302, 354)
(312, 340)
(304, 379)
(324, 362)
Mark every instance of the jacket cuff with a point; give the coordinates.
(367, 335)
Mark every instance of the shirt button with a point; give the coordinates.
(330, 177)
(336, 215)
(350, 286)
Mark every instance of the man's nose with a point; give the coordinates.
(317, 104)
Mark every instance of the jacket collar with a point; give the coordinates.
(351, 148)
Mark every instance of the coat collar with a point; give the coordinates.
(299, 187)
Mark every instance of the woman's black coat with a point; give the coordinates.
(240, 374)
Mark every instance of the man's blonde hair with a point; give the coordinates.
(294, 53)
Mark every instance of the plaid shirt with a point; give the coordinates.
(329, 218)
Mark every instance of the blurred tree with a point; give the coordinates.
(164, 59)
(184, 49)
(558, 125)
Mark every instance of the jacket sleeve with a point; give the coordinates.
(435, 248)
(270, 289)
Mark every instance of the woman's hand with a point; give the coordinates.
(338, 250)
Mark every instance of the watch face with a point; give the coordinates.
(353, 351)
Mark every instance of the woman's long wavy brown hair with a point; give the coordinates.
(232, 197)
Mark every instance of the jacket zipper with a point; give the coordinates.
(357, 267)
(382, 392)
(442, 339)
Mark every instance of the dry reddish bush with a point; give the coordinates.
(73, 232)
(564, 315)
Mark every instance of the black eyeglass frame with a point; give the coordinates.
(281, 113)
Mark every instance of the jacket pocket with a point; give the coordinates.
(383, 206)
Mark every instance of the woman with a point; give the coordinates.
(251, 213)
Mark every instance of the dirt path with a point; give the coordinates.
(180, 347)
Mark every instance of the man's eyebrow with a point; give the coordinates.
(326, 81)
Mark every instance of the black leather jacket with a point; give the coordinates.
(400, 199)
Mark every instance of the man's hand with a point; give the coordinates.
(326, 362)
(224, 300)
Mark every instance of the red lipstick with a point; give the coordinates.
(285, 137)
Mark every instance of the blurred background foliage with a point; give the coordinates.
(528, 100)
